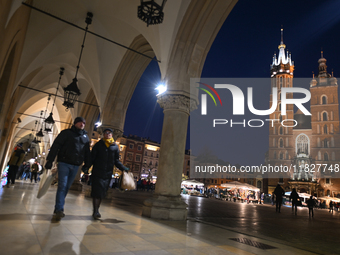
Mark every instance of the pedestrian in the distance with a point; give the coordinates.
(34, 171)
(15, 161)
(73, 148)
(294, 196)
(331, 206)
(279, 192)
(311, 204)
(105, 155)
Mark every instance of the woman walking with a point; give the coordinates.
(105, 155)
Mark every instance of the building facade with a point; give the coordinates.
(311, 144)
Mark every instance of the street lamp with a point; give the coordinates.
(161, 88)
(71, 92)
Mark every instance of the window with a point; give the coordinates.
(188, 162)
(156, 164)
(131, 146)
(157, 155)
(281, 155)
(332, 129)
(287, 155)
(302, 144)
(281, 143)
(274, 154)
(328, 192)
(151, 154)
(325, 129)
(139, 147)
(325, 156)
(279, 106)
(137, 167)
(324, 116)
(259, 184)
(325, 143)
(324, 100)
(138, 158)
(281, 130)
(130, 156)
(146, 153)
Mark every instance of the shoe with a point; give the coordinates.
(59, 215)
(96, 215)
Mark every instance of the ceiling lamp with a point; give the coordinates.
(151, 12)
(71, 92)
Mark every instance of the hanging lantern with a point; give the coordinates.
(40, 133)
(71, 93)
(49, 122)
(151, 12)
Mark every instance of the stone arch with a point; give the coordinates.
(124, 83)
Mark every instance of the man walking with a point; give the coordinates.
(73, 148)
(279, 192)
(15, 161)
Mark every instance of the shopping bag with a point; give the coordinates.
(45, 181)
(128, 182)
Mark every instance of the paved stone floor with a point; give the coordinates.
(26, 227)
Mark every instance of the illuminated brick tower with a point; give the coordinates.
(280, 145)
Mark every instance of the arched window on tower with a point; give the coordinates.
(325, 143)
(325, 129)
(324, 100)
(302, 144)
(280, 118)
(319, 155)
(332, 141)
(281, 130)
(280, 86)
(332, 129)
(325, 156)
(318, 129)
(279, 106)
(281, 143)
(281, 155)
(318, 142)
(324, 116)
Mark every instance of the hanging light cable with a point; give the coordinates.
(71, 92)
(49, 121)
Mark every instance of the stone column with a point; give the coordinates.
(166, 202)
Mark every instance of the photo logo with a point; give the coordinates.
(204, 97)
(238, 99)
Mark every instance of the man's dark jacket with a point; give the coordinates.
(104, 159)
(72, 146)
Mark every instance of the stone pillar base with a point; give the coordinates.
(165, 208)
(76, 186)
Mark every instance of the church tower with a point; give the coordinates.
(280, 137)
(325, 118)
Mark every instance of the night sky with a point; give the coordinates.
(244, 48)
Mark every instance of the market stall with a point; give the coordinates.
(192, 187)
(241, 191)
